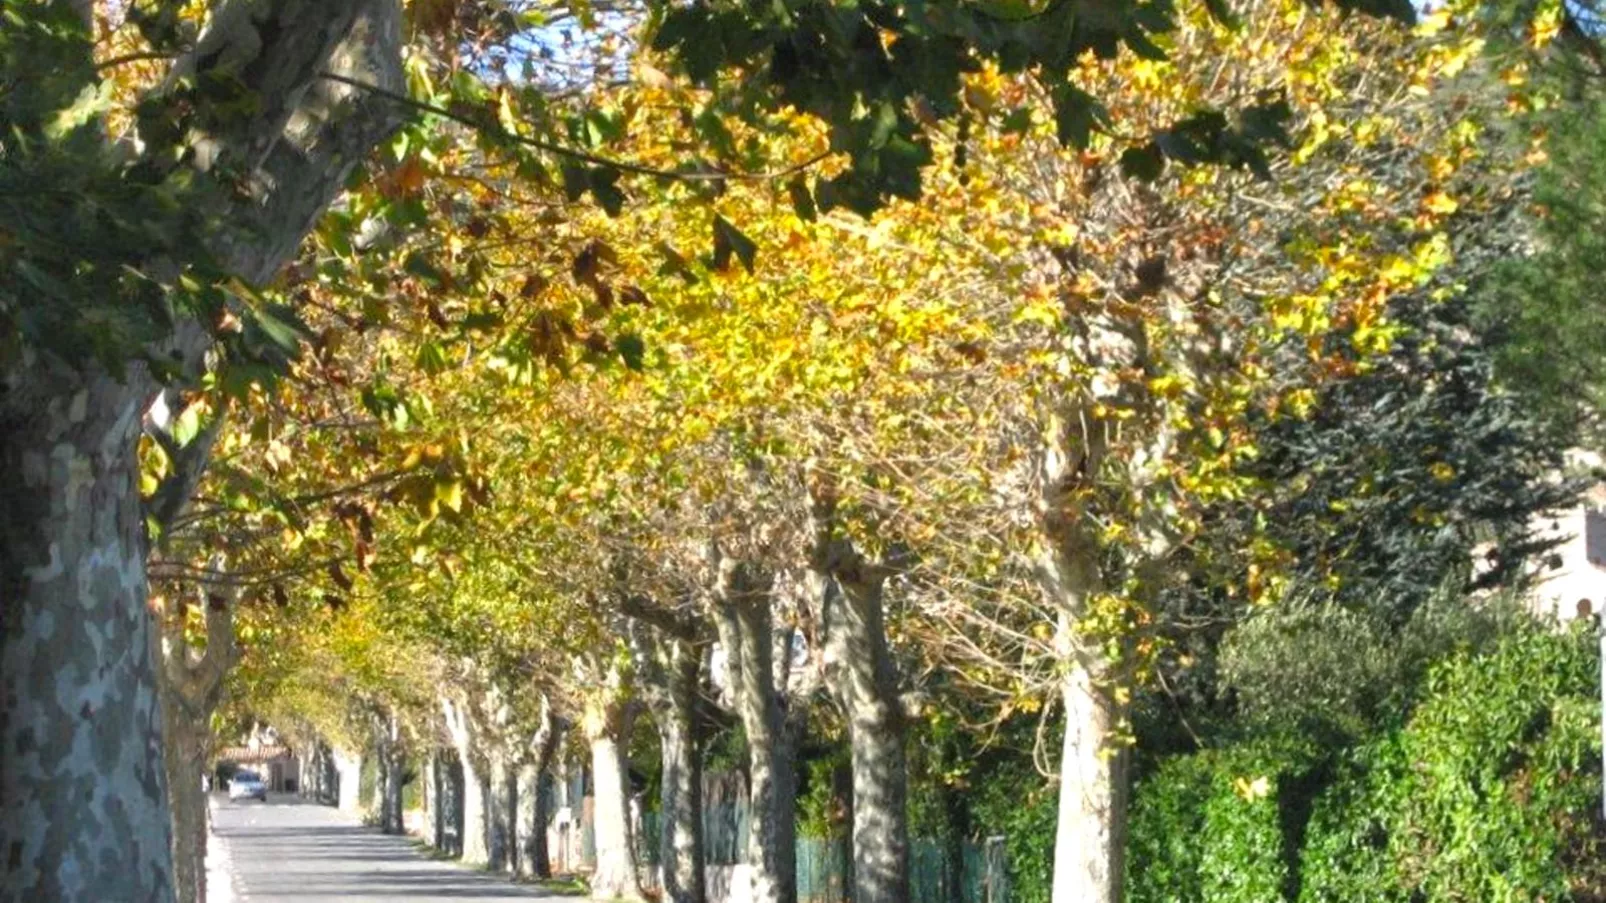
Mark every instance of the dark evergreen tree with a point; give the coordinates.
(1400, 476)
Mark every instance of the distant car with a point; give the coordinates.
(247, 785)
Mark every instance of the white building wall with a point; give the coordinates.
(1576, 573)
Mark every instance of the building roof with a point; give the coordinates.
(243, 754)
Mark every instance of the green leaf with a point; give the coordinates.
(90, 103)
(728, 239)
(450, 494)
(1143, 47)
(282, 327)
(605, 188)
(632, 350)
(431, 359)
(1221, 11)
(187, 425)
(1143, 163)
(576, 179)
(420, 265)
(1267, 122)
(1075, 114)
(675, 264)
(802, 200)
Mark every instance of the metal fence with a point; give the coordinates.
(980, 874)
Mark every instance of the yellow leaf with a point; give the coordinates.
(1441, 203)
(450, 494)
(1251, 789)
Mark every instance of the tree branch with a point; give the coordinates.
(483, 125)
(676, 625)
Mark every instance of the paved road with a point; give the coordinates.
(290, 851)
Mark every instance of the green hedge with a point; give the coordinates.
(1015, 801)
(1489, 792)
(1210, 827)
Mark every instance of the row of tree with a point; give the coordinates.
(989, 441)
(501, 427)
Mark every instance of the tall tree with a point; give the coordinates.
(213, 182)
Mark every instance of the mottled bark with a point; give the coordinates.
(392, 764)
(499, 808)
(535, 859)
(863, 679)
(191, 686)
(435, 800)
(747, 631)
(84, 809)
(326, 778)
(451, 770)
(83, 796)
(527, 784)
(671, 672)
(563, 799)
(1089, 845)
(185, 761)
(474, 845)
(608, 723)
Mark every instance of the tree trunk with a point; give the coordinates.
(191, 688)
(1089, 844)
(746, 630)
(567, 828)
(474, 844)
(863, 679)
(525, 820)
(348, 781)
(608, 731)
(328, 776)
(472, 840)
(83, 798)
(955, 828)
(385, 772)
(535, 861)
(500, 803)
(434, 827)
(680, 830)
(186, 759)
(390, 803)
(452, 800)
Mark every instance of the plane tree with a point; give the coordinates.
(157, 189)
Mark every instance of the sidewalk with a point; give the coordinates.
(219, 876)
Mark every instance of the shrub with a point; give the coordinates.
(1212, 826)
(1490, 792)
(821, 812)
(1329, 669)
(1012, 799)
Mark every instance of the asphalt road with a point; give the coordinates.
(289, 851)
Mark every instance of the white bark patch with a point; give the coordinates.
(77, 476)
(78, 408)
(52, 570)
(45, 625)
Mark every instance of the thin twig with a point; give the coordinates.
(482, 125)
